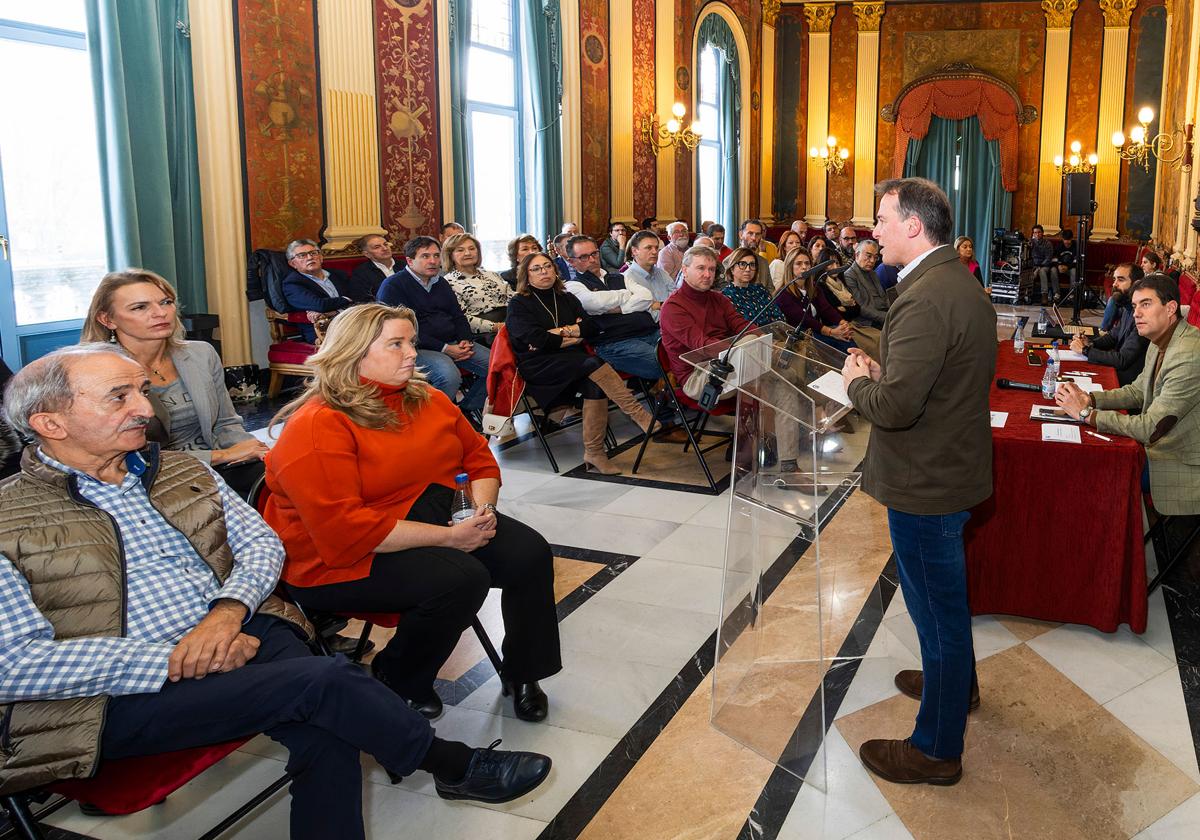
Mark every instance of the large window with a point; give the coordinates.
(494, 123)
(51, 211)
(707, 112)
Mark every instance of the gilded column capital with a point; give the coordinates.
(819, 16)
(770, 11)
(1059, 13)
(1117, 12)
(868, 14)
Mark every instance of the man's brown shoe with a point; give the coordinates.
(910, 684)
(904, 764)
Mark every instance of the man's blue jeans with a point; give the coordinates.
(1110, 314)
(634, 356)
(933, 577)
(444, 374)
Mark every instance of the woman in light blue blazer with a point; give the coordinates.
(136, 308)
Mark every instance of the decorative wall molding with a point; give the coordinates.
(666, 79)
(770, 12)
(819, 16)
(1054, 126)
(869, 15)
(1059, 13)
(1117, 12)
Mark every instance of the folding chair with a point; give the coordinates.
(695, 428)
(1168, 555)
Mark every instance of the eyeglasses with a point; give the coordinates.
(745, 264)
(540, 267)
(303, 255)
(586, 256)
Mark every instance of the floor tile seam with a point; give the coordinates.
(1132, 689)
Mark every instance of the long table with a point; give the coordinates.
(1061, 537)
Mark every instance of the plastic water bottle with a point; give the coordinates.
(1049, 382)
(463, 506)
(1019, 341)
(1043, 320)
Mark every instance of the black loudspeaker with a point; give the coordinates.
(1079, 194)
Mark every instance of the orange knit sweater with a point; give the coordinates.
(337, 489)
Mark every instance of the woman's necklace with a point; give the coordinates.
(158, 373)
(553, 314)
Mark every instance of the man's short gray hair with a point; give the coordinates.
(675, 226)
(45, 384)
(296, 244)
(690, 254)
(863, 243)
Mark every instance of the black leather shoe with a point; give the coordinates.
(497, 775)
(430, 707)
(345, 645)
(529, 701)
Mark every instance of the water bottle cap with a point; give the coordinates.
(461, 477)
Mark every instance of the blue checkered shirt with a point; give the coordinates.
(169, 589)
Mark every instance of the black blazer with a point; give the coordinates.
(368, 277)
(304, 295)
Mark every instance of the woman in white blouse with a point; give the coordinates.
(482, 294)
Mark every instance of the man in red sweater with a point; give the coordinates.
(694, 315)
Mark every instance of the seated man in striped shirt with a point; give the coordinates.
(136, 617)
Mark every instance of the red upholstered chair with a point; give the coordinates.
(288, 353)
(259, 494)
(1194, 309)
(673, 395)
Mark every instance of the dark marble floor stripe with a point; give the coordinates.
(580, 471)
(779, 793)
(1181, 594)
(587, 801)
(610, 565)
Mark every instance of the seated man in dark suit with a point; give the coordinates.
(315, 290)
(1122, 347)
(380, 264)
(445, 335)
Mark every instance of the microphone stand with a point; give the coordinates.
(719, 369)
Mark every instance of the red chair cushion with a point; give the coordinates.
(1187, 288)
(127, 785)
(1194, 311)
(298, 318)
(290, 352)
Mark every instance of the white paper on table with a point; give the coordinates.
(999, 418)
(1081, 381)
(1091, 387)
(830, 385)
(1061, 433)
(1068, 356)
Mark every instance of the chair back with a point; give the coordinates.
(264, 278)
(259, 493)
(1194, 312)
(1187, 288)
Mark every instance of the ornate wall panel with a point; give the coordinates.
(406, 66)
(645, 170)
(685, 82)
(593, 58)
(1083, 88)
(994, 52)
(278, 77)
(791, 59)
(843, 80)
(1173, 113)
(1143, 86)
(1025, 18)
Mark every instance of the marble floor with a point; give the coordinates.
(1081, 734)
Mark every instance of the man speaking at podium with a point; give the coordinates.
(929, 461)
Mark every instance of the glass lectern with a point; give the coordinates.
(781, 624)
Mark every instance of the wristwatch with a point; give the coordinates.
(1085, 413)
(489, 506)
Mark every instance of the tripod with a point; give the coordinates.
(1075, 294)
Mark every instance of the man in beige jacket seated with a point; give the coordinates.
(1168, 394)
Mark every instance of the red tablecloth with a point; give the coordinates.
(1061, 537)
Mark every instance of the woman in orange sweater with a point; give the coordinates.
(361, 482)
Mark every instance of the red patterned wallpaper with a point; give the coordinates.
(278, 75)
(593, 59)
(843, 81)
(645, 162)
(409, 150)
(1026, 17)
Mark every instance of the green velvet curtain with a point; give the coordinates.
(543, 70)
(714, 30)
(979, 201)
(146, 120)
(460, 149)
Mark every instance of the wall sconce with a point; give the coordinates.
(1174, 148)
(831, 156)
(1076, 163)
(672, 133)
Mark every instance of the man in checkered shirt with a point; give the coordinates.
(105, 596)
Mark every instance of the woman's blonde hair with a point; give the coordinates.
(789, 269)
(737, 256)
(102, 300)
(453, 242)
(336, 381)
